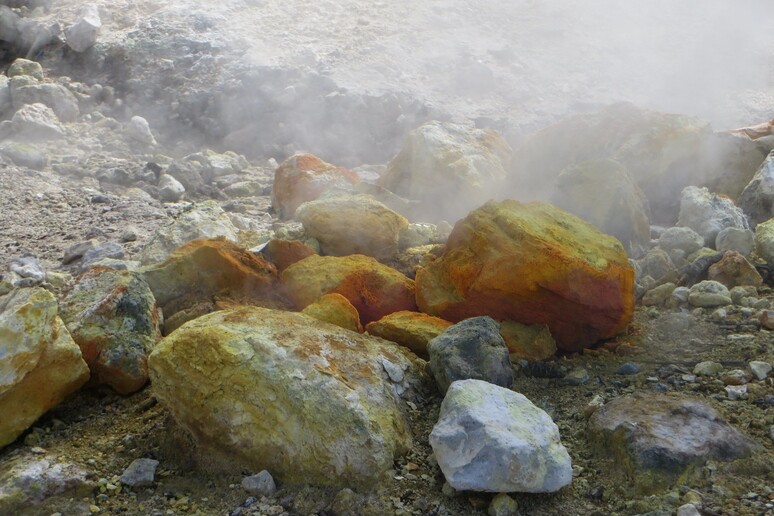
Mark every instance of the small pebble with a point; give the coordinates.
(736, 392)
(140, 473)
(629, 368)
(760, 370)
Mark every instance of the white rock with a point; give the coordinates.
(708, 213)
(489, 438)
(170, 189)
(688, 510)
(736, 392)
(760, 369)
(734, 239)
(36, 122)
(708, 294)
(83, 34)
(138, 129)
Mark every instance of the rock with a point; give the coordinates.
(304, 177)
(709, 213)
(27, 482)
(766, 319)
(346, 503)
(736, 392)
(734, 239)
(284, 253)
(492, 439)
(138, 129)
(307, 400)
(22, 66)
(503, 505)
(656, 264)
(83, 34)
(335, 309)
(202, 220)
(61, 101)
(205, 270)
(682, 238)
(140, 473)
(170, 189)
(112, 316)
(374, 289)
(760, 369)
(526, 342)
(423, 233)
(707, 368)
(764, 241)
(261, 484)
(628, 368)
(688, 509)
(410, 329)
(473, 349)
(193, 171)
(36, 122)
(734, 270)
(5, 94)
(603, 193)
(534, 264)
(734, 377)
(655, 438)
(40, 364)
(27, 270)
(658, 296)
(76, 251)
(707, 294)
(24, 155)
(226, 164)
(101, 252)
(353, 225)
(448, 168)
(757, 198)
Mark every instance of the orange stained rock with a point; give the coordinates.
(304, 177)
(410, 329)
(535, 264)
(335, 309)
(373, 288)
(284, 253)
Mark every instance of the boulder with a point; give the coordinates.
(656, 439)
(735, 239)
(733, 270)
(82, 35)
(335, 309)
(471, 349)
(40, 364)
(355, 224)
(602, 192)
(492, 439)
(374, 289)
(26, 482)
(24, 155)
(36, 122)
(138, 130)
(528, 342)
(663, 152)
(535, 264)
(112, 315)
(61, 101)
(202, 220)
(211, 271)
(680, 238)
(305, 177)
(410, 329)
(284, 253)
(21, 66)
(708, 213)
(707, 294)
(764, 241)
(757, 198)
(170, 189)
(309, 401)
(448, 169)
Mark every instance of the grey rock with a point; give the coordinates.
(345, 503)
(25, 67)
(139, 130)
(472, 348)
(578, 376)
(76, 251)
(764, 241)
(707, 368)
(140, 473)
(83, 34)
(129, 234)
(680, 294)
(24, 155)
(656, 263)
(760, 369)
(261, 484)
(682, 238)
(708, 213)
(26, 482)
(657, 296)
(170, 189)
(5, 94)
(709, 294)
(736, 392)
(36, 122)
(493, 439)
(29, 268)
(734, 239)
(688, 510)
(193, 171)
(628, 368)
(100, 252)
(664, 435)
(57, 97)
(757, 199)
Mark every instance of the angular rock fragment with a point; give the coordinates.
(309, 401)
(535, 264)
(374, 289)
(734, 270)
(36, 122)
(112, 315)
(410, 329)
(83, 34)
(708, 213)
(493, 439)
(40, 364)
